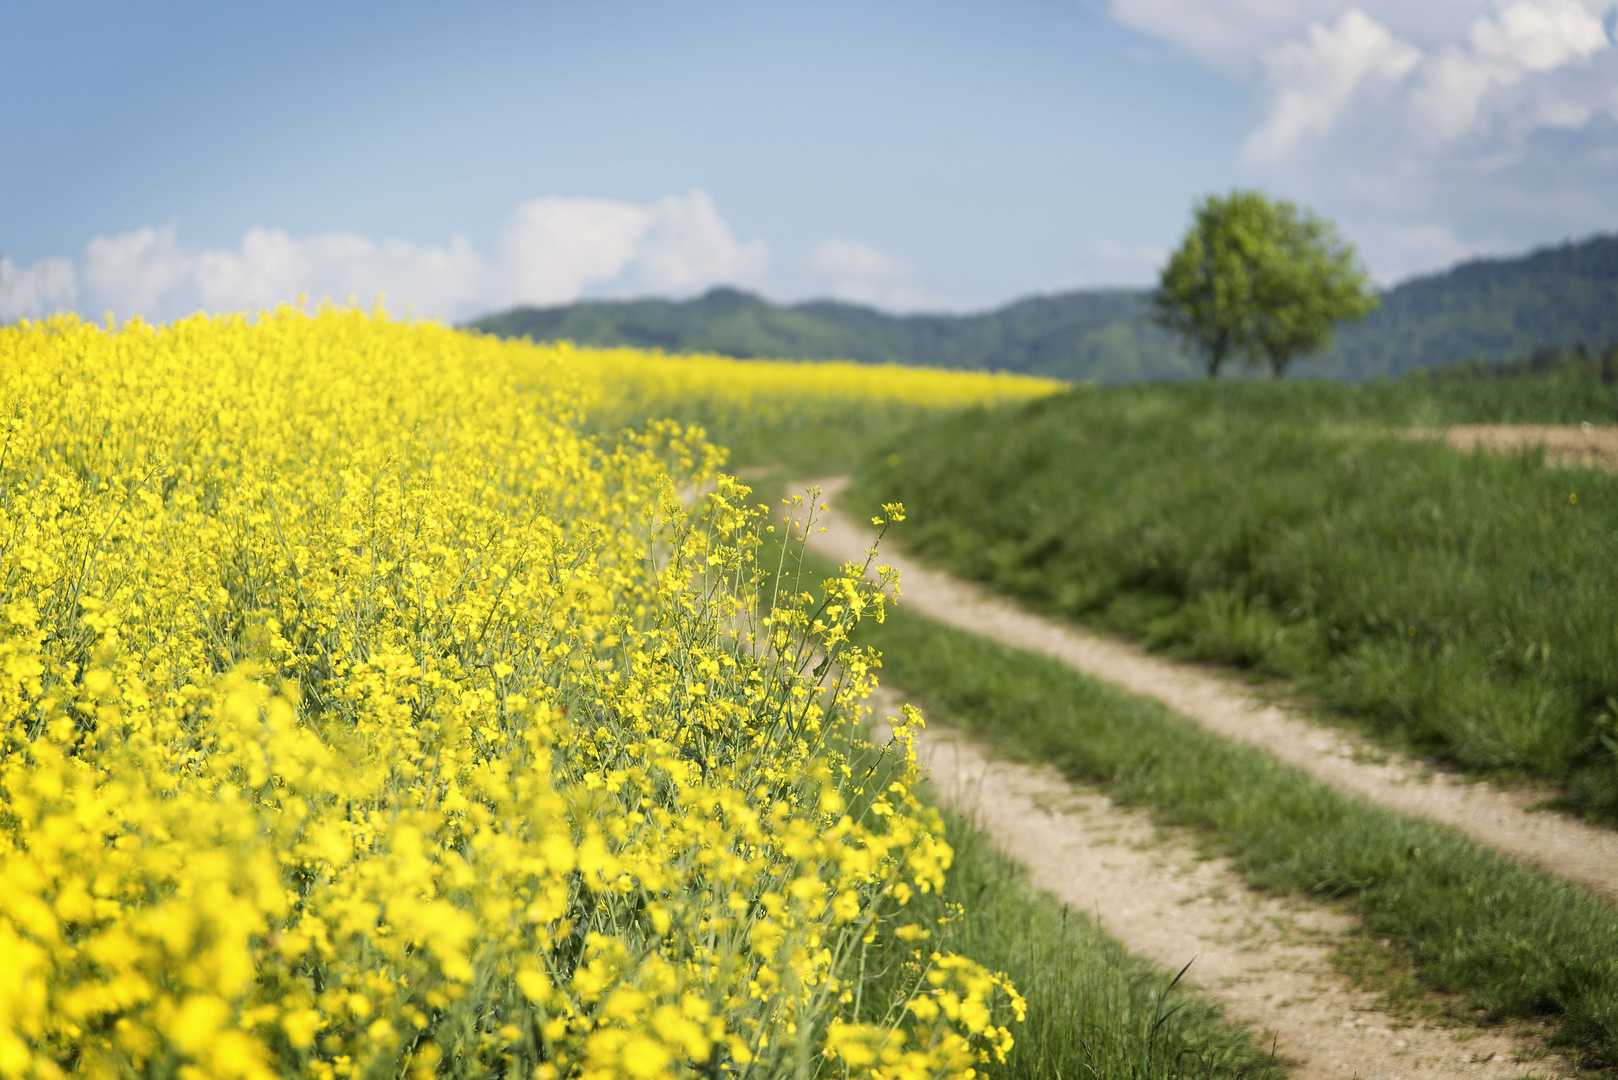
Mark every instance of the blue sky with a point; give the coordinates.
(164, 157)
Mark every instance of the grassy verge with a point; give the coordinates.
(1513, 942)
(1094, 1009)
(824, 415)
(1459, 602)
(795, 441)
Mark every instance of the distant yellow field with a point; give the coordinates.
(767, 410)
(360, 715)
(782, 386)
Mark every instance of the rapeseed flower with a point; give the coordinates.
(361, 714)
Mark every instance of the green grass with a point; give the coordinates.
(1094, 1009)
(796, 441)
(1476, 928)
(804, 442)
(1461, 603)
(829, 434)
(1514, 943)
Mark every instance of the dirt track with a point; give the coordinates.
(1561, 845)
(1268, 960)
(1587, 445)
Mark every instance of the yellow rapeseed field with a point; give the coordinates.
(628, 381)
(361, 716)
(770, 411)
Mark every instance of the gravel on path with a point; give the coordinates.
(1565, 445)
(1267, 959)
(1502, 819)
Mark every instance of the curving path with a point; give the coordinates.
(1268, 960)
(1553, 842)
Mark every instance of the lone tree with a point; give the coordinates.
(1260, 280)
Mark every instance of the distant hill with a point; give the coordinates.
(1579, 364)
(1487, 309)
(1490, 310)
(1099, 334)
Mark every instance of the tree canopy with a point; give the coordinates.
(1260, 280)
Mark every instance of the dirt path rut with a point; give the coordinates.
(1565, 445)
(1555, 843)
(1267, 959)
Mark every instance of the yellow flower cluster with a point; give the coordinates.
(361, 717)
(769, 400)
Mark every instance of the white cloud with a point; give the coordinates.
(551, 251)
(1122, 264)
(1501, 51)
(861, 274)
(688, 246)
(1397, 114)
(1539, 36)
(841, 260)
(147, 272)
(1230, 35)
(554, 248)
(1313, 80)
(1431, 244)
(46, 287)
(271, 267)
(136, 272)
(1316, 57)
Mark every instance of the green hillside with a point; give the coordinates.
(1491, 310)
(1487, 309)
(1099, 334)
(1557, 363)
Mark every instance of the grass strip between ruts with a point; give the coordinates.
(1094, 1009)
(1515, 942)
(1460, 603)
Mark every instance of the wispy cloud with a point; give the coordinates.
(551, 251)
(1314, 80)
(1447, 70)
(1466, 116)
(47, 285)
(1126, 264)
(1507, 65)
(861, 274)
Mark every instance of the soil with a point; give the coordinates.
(1504, 819)
(1268, 960)
(1585, 444)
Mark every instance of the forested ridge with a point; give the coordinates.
(1489, 310)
